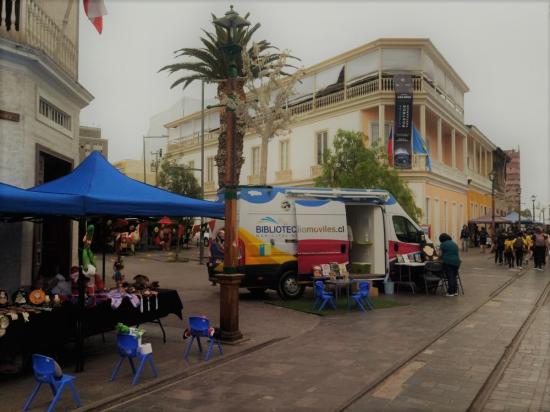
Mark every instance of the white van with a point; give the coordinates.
(285, 231)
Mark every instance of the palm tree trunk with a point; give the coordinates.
(240, 131)
(263, 160)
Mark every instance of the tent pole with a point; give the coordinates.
(80, 308)
(104, 246)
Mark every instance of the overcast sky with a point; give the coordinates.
(500, 49)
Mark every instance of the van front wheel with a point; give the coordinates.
(289, 288)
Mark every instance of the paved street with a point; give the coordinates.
(434, 353)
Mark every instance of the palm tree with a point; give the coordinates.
(210, 64)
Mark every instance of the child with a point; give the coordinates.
(118, 277)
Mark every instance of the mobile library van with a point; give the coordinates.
(284, 232)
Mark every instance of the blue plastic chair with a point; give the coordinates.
(128, 349)
(361, 298)
(198, 326)
(322, 297)
(44, 372)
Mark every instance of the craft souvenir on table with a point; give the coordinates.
(400, 259)
(317, 271)
(405, 258)
(56, 300)
(141, 282)
(3, 298)
(428, 252)
(88, 258)
(20, 297)
(37, 297)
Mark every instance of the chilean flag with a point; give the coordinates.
(95, 10)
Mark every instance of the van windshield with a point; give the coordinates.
(405, 230)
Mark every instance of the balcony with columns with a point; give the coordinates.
(26, 22)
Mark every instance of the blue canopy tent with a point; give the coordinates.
(20, 202)
(102, 190)
(513, 217)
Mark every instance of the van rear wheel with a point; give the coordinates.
(289, 288)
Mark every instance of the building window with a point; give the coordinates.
(256, 161)
(322, 145)
(56, 115)
(210, 170)
(284, 154)
(373, 133)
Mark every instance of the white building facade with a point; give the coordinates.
(40, 99)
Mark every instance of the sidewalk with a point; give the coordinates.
(326, 367)
(323, 364)
(198, 297)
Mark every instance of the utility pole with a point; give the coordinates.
(201, 247)
(144, 166)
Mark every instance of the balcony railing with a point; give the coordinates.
(29, 24)
(182, 143)
(369, 87)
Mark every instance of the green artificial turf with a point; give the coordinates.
(305, 305)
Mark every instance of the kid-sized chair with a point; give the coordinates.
(361, 298)
(47, 371)
(128, 349)
(322, 297)
(199, 326)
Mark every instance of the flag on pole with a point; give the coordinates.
(420, 147)
(95, 10)
(390, 147)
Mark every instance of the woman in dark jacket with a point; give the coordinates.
(451, 262)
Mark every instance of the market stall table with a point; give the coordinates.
(409, 282)
(47, 331)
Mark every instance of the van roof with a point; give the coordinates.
(257, 194)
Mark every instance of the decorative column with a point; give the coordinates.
(465, 154)
(440, 139)
(423, 121)
(453, 147)
(381, 122)
(476, 159)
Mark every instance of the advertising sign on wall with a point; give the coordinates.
(402, 143)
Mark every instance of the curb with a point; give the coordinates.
(158, 384)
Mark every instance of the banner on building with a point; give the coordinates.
(402, 138)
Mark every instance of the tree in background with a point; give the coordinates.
(268, 89)
(177, 179)
(526, 213)
(211, 65)
(351, 165)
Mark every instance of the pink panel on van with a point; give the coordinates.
(313, 252)
(404, 248)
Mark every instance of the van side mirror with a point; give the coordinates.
(396, 246)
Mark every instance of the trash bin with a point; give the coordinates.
(388, 287)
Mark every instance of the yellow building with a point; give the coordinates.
(134, 168)
(355, 91)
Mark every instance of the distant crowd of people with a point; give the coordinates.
(514, 248)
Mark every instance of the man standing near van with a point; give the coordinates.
(464, 238)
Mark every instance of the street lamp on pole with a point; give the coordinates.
(230, 280)
(492, 177)
(533, 198)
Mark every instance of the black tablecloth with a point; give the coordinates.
(46, 332)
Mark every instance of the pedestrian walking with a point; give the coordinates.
(448, 252)
(464, 238)
(519, 247)
(499, 247)
(482, 239)
(540, 241)
(528, 240)
(509, 250)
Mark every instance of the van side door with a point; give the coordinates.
(321, 230)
